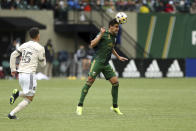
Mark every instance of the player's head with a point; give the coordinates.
(34, 33)
(113, 27)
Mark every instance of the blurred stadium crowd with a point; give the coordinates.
(78, 63)
(59, 63)
(143, 6)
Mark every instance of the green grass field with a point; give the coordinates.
(147, 104)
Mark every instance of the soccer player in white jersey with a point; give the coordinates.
(32, 54)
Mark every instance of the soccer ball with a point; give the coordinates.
(121, 18)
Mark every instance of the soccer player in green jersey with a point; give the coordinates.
(104, 47)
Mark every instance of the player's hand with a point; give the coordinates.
(102, 30)
(14, 73)
(122, 58)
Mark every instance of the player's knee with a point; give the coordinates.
(30, 98)
(90, 78)
(115, 84)
(89, 83)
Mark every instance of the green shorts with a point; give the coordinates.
(97, 68)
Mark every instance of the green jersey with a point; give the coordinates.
(103, 50)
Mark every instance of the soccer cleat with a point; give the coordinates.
(11, 117)
(15, 94)
(79, 110)
(116, 110)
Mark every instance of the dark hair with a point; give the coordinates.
(113, 22)
(49, 43)
(34, 32)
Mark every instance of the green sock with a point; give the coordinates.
(115, 95)
(83, 94)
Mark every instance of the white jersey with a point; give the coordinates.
(31, 53)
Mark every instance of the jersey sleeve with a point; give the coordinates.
(42, 58)
(19, 49)
(95, 48)
(99, 34)
(13, 60)
(13, 56)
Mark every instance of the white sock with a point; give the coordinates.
(21, 94)
(20, 106)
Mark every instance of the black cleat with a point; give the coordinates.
(11, 117)
(15, 94)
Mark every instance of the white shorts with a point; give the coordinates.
(28, 83)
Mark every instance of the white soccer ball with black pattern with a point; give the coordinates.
(121, 17)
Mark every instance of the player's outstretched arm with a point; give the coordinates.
(13, 62)
(95, 41)
(119, 57)
(42, 58)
